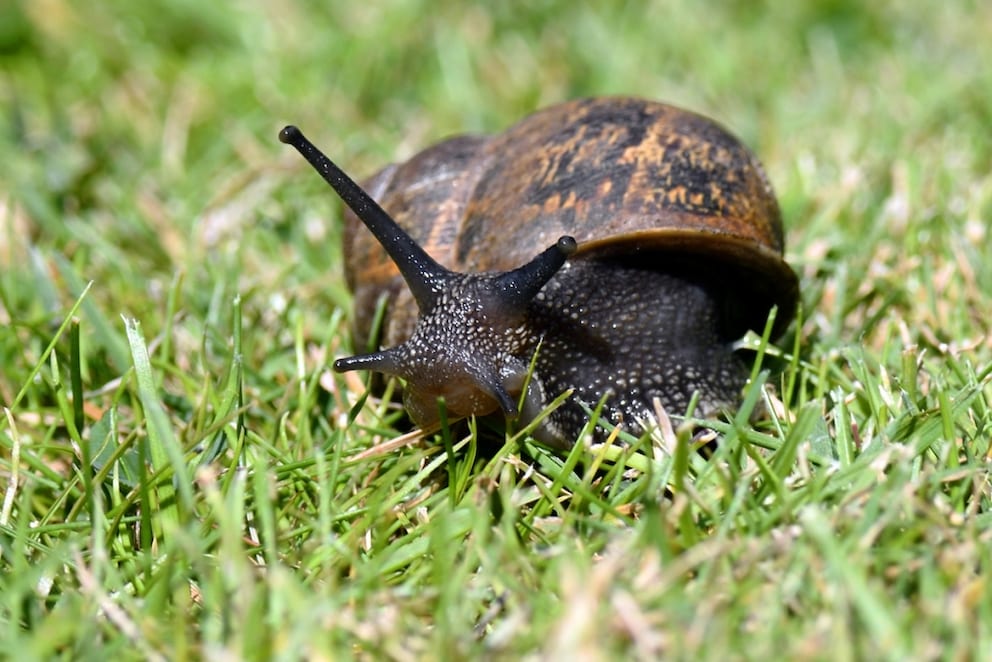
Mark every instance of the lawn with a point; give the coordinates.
(183, 477)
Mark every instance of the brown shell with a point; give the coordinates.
(623, 176)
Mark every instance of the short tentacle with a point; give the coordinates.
(519, 286)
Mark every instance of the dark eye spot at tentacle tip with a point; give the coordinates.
(289, 135)
(567, 245)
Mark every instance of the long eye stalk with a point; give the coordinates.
(422, 274)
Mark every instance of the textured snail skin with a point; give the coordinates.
(679, 252)
(654, 336)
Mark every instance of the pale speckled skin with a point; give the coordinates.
(680, 249)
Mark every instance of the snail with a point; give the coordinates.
(620, 246)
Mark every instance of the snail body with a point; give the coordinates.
(665, 247)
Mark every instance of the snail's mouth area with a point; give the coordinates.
(469, 385)
(461, 394)
(463, 355)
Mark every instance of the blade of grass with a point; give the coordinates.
(66, 321)
(163, 446)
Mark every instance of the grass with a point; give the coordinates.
(182, 477)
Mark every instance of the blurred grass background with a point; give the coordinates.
(138, 153)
